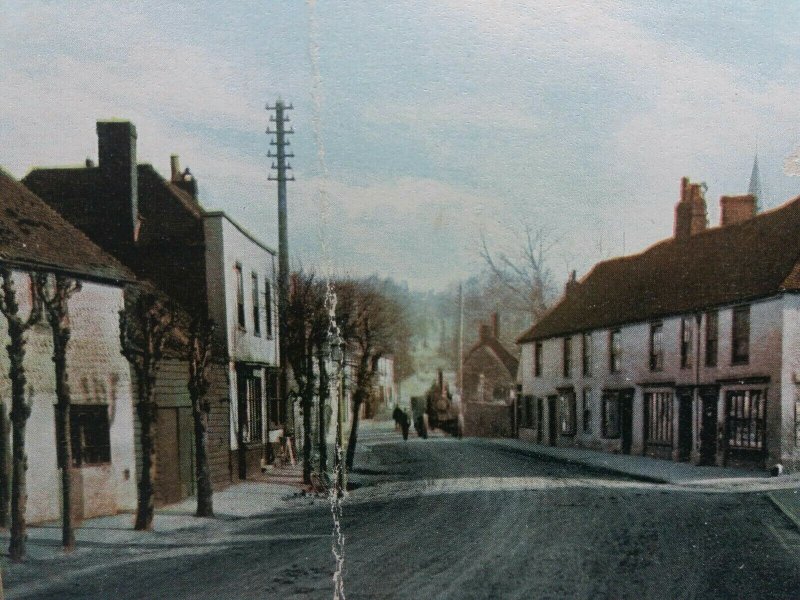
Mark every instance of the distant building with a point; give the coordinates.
(35, 238)
(689, 350)
(489, 373)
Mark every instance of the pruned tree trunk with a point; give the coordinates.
(323, 422)
(205, 501)
(145, 408)
(20, 408)
(5, 472)
(358, 401)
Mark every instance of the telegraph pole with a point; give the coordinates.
(280, 167)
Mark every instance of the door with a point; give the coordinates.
(708, 428)
(539, 420)
(684, 426)
(626, 420)
(552, 421)
(168, 464)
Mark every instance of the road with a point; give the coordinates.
(464, 519)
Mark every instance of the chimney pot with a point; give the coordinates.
(690, 212)
(175, 164)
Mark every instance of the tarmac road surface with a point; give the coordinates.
(464, 519)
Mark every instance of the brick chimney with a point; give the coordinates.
(185, 180)
(484, 332)
(119, 191)
(572, 283)
(495, 326)
(735, 209)
(690, 211)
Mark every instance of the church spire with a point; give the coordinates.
(755, 183)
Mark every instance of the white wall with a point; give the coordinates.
(768, 328)
(98, 374)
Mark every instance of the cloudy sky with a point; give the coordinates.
(439, 120)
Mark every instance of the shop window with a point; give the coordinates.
(658, 418)
(566, 410)
(611, 421)
(746, 419)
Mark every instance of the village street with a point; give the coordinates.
(498, 524)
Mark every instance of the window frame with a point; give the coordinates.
(256, 305)
(659, 413)
(656, 353)
(586, 413)
(567, 408)
(586, 356)
(84, 455)
(712, 342)
(741, 413)
(615, 350)
(240, 312)
(268, 306)
(611, 399)
(538, 349)
(740, 319)
(686, 342)
(566, 356)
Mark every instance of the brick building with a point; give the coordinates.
(489, 373)
(157, 228)
(689, 350)
(33, 237)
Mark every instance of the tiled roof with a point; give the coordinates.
(494, 345)
(722, 265)
(33, 234)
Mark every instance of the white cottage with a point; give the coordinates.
(687, 351)
(33, 237)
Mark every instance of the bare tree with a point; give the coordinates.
(145, 325)
(55, 299)
(200, 350)
(373, 325)
(20, 407)
(306, 332)
(526, 275)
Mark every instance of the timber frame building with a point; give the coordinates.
(687, 351)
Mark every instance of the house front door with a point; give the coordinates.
(626, 420)
(552, 421)
(684, 426)
(708, 427)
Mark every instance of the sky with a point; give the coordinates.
(430, 124)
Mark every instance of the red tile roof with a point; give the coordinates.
(724, 265)
(34, 235)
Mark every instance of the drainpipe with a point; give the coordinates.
(697, 416)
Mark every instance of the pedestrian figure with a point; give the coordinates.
(401, 418)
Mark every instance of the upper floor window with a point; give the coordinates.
(566, 411)
(587, 353)
(712, 338)
(614, 350)
(537, 359)
(256, 307)
(656, 346)
(567, 359)
(268, 305)
(239, 295)
(741, 335)
(687, 331)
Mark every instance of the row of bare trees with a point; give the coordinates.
(372, 324)
(149, 324)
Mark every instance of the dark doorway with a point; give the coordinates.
(552, 421)
(539, 420)
(708, 427)
(626, 420)
(684, 426)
